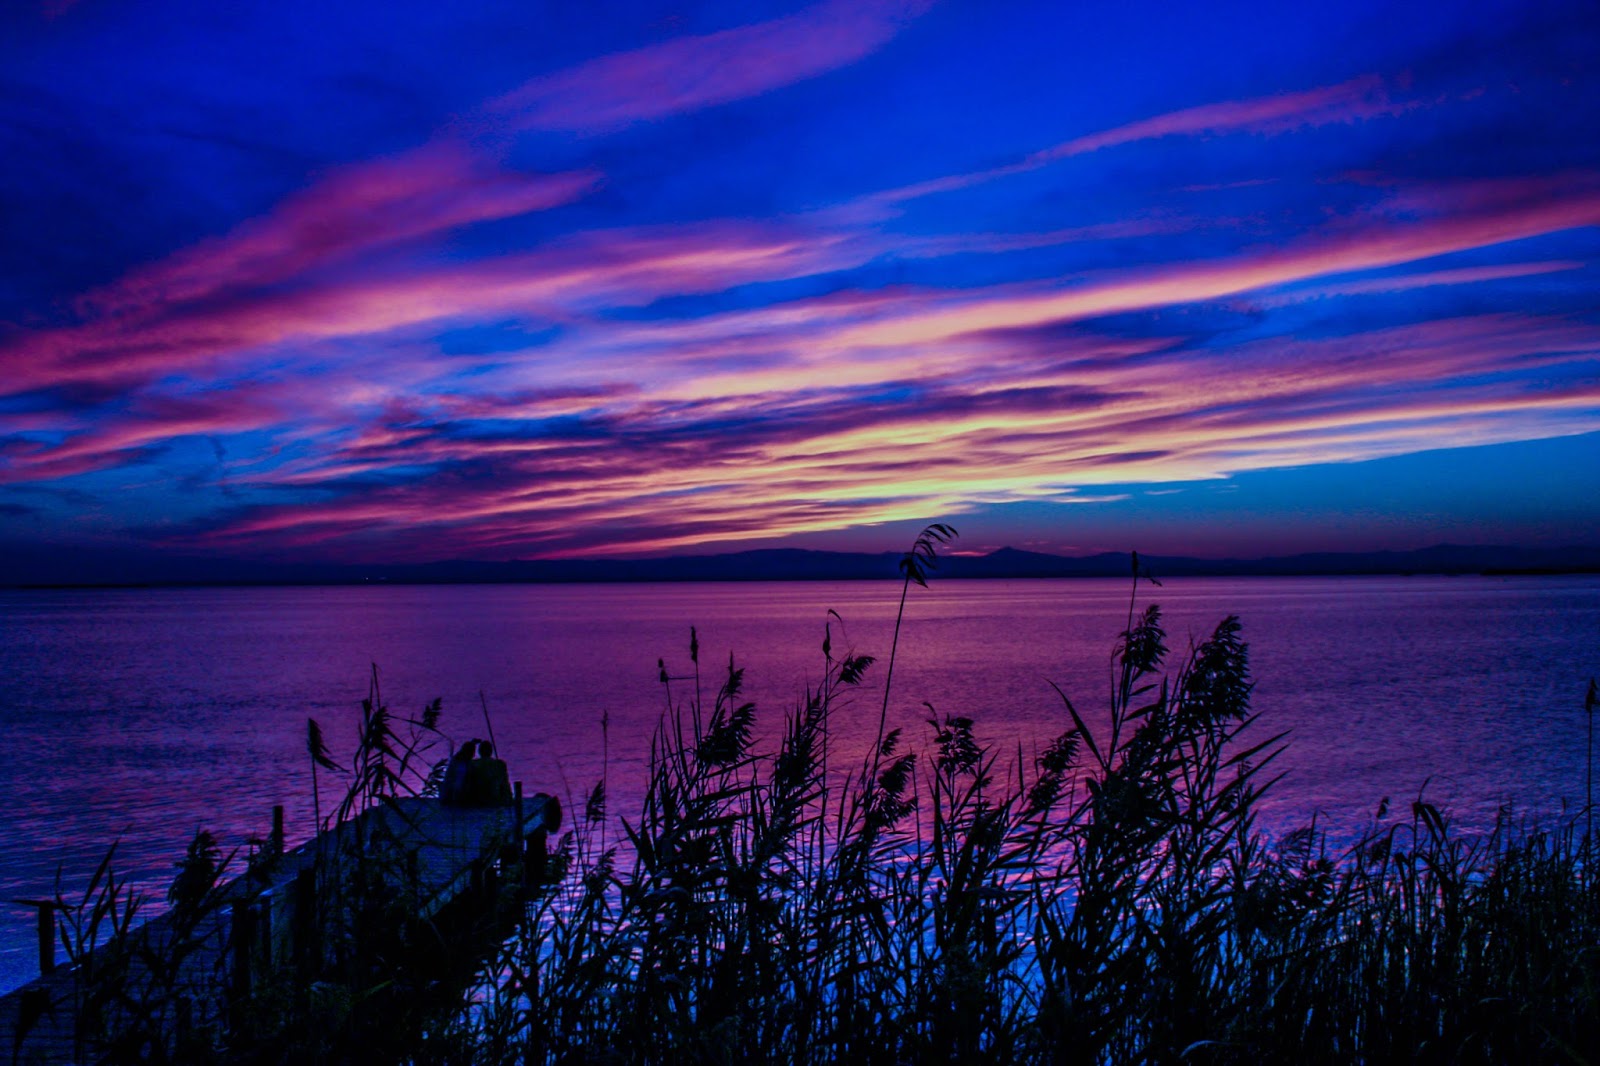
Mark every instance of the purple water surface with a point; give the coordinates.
(143, 715)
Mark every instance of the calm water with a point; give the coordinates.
(147, 714)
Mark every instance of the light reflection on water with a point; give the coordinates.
(147, 714)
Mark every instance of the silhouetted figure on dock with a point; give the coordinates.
(475, 778)
(453, 788)
(488, 780)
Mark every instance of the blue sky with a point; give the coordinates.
(407, 282)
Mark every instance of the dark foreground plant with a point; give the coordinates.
(1107, 899)
(200, 984)
(144, 993)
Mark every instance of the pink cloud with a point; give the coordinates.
(1539, 211)
(999, 243)
(350, 211)
(605, 269)
(1360, 98)
(689, 73)
(1350, 101)
(151, 314)
(1424, 279)
(65, 446)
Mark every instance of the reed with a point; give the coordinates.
(143, 993)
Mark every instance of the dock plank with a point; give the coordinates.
(437, 854)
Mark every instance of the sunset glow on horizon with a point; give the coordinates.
(506, 282)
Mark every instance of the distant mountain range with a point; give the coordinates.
(793, 564)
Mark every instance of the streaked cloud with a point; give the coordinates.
(496, 343)
(795, 416)
(618, 268)
(1362, 249)
(693, 72)
(1427, 279)
(352, 211)
(1360, 98)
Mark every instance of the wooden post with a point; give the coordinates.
(244, 930)
(521, 844)
(304, 933)
(533, 864)
(277, 829)
(47, 938)
(263, 918)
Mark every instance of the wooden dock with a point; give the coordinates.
(293, 922)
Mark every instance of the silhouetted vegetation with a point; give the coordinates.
(1107, 898)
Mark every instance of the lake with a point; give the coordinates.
(146, 714)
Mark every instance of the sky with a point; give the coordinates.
(403, 282)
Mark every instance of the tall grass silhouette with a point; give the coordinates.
(1107, 899)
